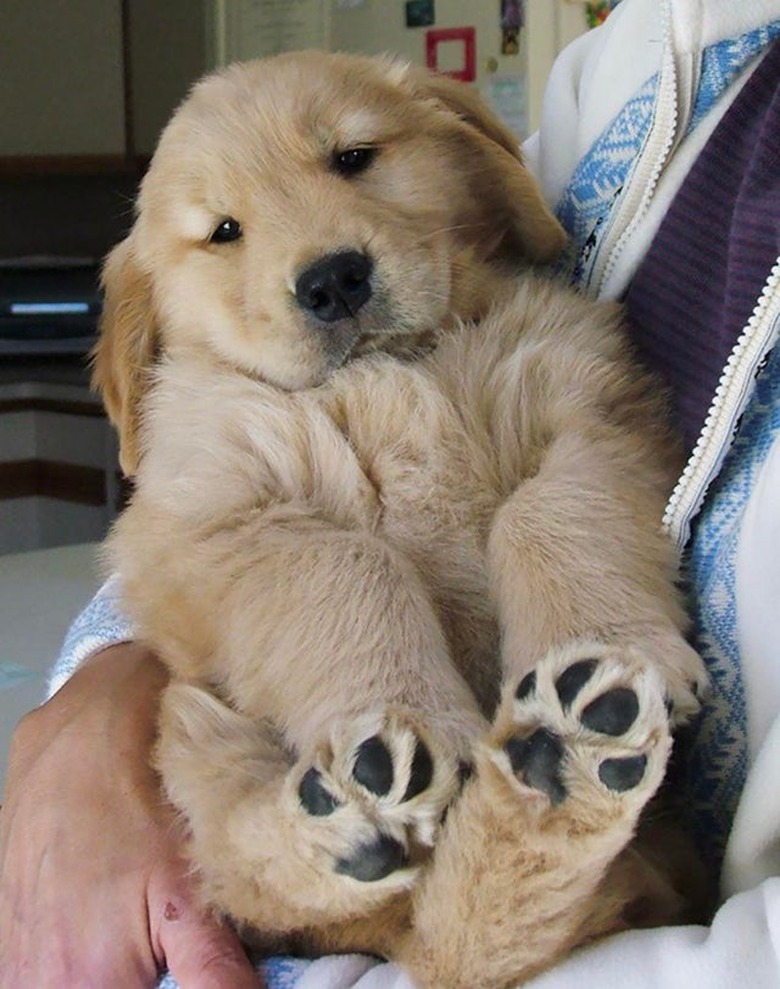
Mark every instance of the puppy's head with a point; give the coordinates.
(307, 209)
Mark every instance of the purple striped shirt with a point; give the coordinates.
(697, 287)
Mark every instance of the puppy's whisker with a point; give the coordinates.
(454, 228)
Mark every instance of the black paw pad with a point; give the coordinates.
(613, 713)
(421, 772)
(573, 679)
(623, 774)
(316, 800)
(537, 759)
(373, 767)
(373, 861)
(526, 686)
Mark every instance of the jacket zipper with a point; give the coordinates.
(730, 398)
(642, 188)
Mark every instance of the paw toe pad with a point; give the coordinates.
(613, 713)
(527, 686)
(620, 775)
(316, 800)
(373, 767)
(572, 680)
(421, 773)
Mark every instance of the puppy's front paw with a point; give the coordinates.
(372, 797)
(280, 843)
(586, 732)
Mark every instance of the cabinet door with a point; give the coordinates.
(167, 46)
(61, 82)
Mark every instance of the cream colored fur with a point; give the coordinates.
(376, 529)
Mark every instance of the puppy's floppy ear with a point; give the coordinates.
(123, 356)
(500, 181)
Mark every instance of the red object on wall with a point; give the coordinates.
(465, 34)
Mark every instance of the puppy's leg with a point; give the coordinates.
(577, 552)
(330, 636)
(517, 877)
(283, 843)
(297, 619)
(594, 661)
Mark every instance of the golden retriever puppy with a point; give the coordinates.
(396, 513)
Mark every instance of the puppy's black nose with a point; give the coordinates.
(336, 286)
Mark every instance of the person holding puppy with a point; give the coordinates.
(659, 150)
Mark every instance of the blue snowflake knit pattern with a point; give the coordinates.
(723, 62)
(717, 761)
(279, 973)
(598, 180)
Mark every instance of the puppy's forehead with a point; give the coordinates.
(249, 129)
(297, 104)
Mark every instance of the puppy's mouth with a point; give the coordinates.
(344, 302)
(377, 329)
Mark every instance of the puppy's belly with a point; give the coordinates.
(380, 452)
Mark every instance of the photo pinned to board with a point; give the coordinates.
(420, 13)
(597, 11)
(512, 22)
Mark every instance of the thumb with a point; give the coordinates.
(198, 950)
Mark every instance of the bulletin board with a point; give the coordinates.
(256, 28)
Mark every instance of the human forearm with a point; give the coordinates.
(93, 887)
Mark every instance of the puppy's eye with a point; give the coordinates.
(229, 230)
(353, 161)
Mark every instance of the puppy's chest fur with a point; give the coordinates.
(382, 448)
(397, 451)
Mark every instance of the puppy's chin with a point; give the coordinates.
(335, 346)
(291, 371)
(406, 346)
(291, 377)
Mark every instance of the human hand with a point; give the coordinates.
(93, 888)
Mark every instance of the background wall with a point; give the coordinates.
(247, 28)
(378, 25)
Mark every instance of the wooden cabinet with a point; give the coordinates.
(59, 479)
(61, 88)
(86, 85)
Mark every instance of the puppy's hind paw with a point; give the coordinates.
(587, 731)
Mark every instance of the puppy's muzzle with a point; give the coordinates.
(336, 286)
